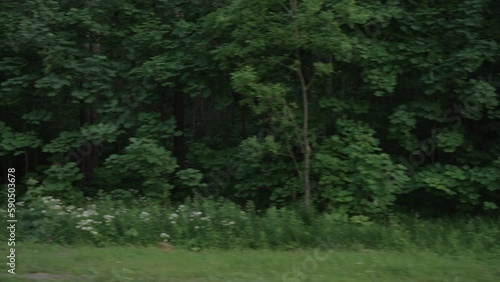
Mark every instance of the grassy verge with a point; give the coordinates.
(206, 223)
(36, 262)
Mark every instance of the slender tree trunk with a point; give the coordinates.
(90, 161)
(305, 138)
(305, 129)
(88, 115)
(179, 141)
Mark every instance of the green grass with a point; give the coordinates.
(155, 264)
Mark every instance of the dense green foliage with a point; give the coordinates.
(360, 107)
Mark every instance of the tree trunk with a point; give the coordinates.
(305, 139)
(305, 129)
(88, 115)
(90, 158)
(179, 141)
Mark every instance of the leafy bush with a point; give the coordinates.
(146, 163)
(352, 172)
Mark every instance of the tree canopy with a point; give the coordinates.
(363, 106)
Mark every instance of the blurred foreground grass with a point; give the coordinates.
(37, 262)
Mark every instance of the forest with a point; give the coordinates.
(224, 140)
(360, 106)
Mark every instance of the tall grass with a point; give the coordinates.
(202, 223)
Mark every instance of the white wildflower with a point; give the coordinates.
(82, 224)
(89, 213)
(227, 223)
(108, 218)
(194, 214)
(144, 216)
